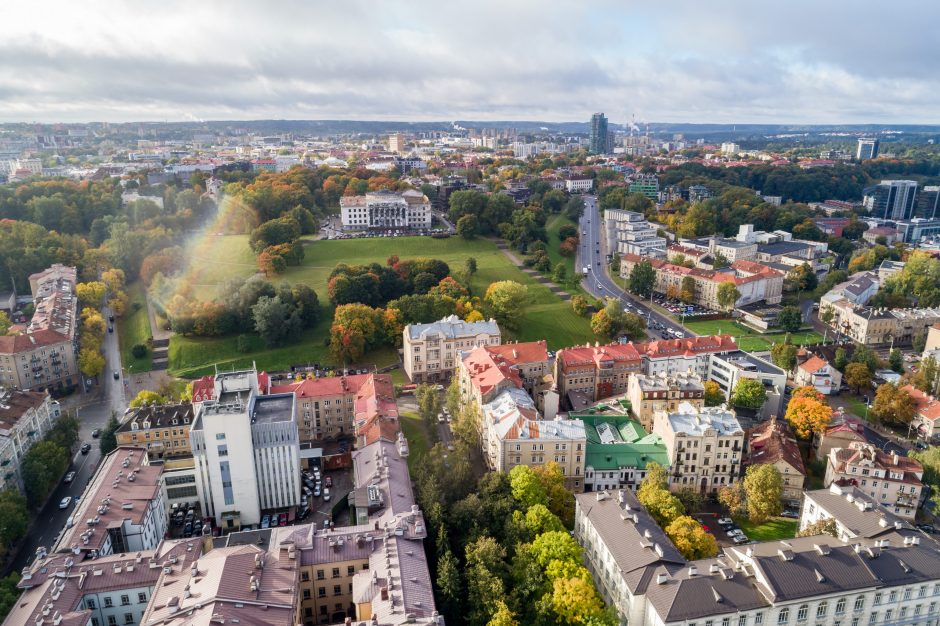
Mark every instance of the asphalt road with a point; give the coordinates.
(50, 521)
(592, 254)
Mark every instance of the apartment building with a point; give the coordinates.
(25, 418)
(122, 510)
(44, 357)
(661, 392)
(485, 371)
(631, 232)
(260, 434)
(691, 355)
(430, 351)
(926, 412)
(731, 249)
(332, 407)
(856, 515)
(705, 446)
(579, 184)
(893, 481)
(887, 575)
(62, 589)
(162, 429)
(772, 443)
(382, 210)
(727, 368)
(872, 325)
(590, 373)
(755, 282)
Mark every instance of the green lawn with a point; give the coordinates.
(777, 528)
(749, 340)
(417, 435)
(134, 328)
(220, 258)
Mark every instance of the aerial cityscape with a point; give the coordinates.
(472, 315)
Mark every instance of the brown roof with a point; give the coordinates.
(15, 403)
(772, 441)
(813, 364)
(38, 339)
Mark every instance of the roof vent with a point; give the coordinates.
(819, 577)
(693, 571)
(718, 597)
(661, 579)
(822, 548)
(713, 568)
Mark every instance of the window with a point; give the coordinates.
(337, 590)
(128, 618)
(350, 570)
(742, 620)
(877, 599)
(95, 622)
(335, 572)
(922, 591)
(783, 616)
(822, 609)
(907, 594)
(90, 604)
(125, 600)
(112, 620)
(840, 606)
(859, 603)
(108, 602)
(888, 615)
(321, 592)
(320, 574)
(141, 597)
(306, 594)
(227, 492)
(802, 613)
(726, 621)
(220, 436)
(758, 619)
(873, 618)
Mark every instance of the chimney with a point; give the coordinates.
(894, 458)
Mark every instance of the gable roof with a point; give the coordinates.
(813, 364)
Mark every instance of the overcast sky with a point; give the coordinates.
(790, 61)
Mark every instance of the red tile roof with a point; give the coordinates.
(594, 355)
(928, 407)
(689, 346)
(204, 388)
(518, 353)
(813, 364)
(752, 271)
(21, 343)
(487, 369)
(772, 441)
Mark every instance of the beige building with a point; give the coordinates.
(891, 480)
(705, 446)
(25, 418)
(162, 429)
(487, 370)
(590, 373)
(649, 394)
(430, 351)
(44, 357)
(772, 443)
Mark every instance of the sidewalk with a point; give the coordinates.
(555, 289)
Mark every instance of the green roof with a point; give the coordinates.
(603, 457)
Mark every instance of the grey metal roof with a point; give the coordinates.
(453, 327)
(859, 514)
(792, 574)
(782, 247)
(711, 588)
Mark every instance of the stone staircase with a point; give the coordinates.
(160, 354)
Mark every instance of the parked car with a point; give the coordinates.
(927, 528)
(725, 521)
(65, 502)
(739, 539)
(316, 491)
(326, 495)
(734, 532)
(328, 481)
(86, 448)
(265, 522)
(70, 477)
(116, 374)
(96, 433)
(282, 519)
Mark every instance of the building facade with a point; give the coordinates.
(649, 394)
(409, 210)
(430, 351)
(818, 373)
(891, 199)
(25, 418)
(772, 443)
(599, 138)
(162, 429)
(891, 480)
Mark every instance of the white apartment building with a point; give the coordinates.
(409, 210)
(238, 425)
(728, 368)
(630, 232)
(579, 184)
(891, 480)
(25, 418)
(430, 351)
(885, 577)
(705, 446)
(122, 510)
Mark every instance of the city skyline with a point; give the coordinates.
(729, 63)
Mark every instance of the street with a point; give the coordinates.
(106, 397)
(592, 251)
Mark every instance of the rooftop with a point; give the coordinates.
(861, 516)
(14, 404)
(746, 361)
(452, 327)
(156, 416)
(695, 422)
(773, 441)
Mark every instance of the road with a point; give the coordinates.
(50, 521)
(592, 251)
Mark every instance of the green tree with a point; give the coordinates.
(526, 486)
(864, 354)
(893, 404)
(450, 582)
(275, 320)
(824, 526)
(145, 397)
(692, 499)
(503, 616)
(692, 541)
(5, 323)
(841, 359)
(896, 361)
(790, 319)
(687, 290)
(858, 375)
(14, 518)
(783, 355)
(485, 573)
(560, 273)
(108, 441)
(728, 295)
(662, 506)
(733, 498)
(470, 267)
(763, 487)
(506, 301)
(579, 305)
(749, 393)
(64, 432)
(41, 469)
(642, 279)
(429, 406)
(714, 396)
(467, 226)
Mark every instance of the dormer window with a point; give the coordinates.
(134, 426)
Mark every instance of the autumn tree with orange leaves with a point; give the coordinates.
(808, 413)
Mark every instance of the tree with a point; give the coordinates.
(790, 319)
(108, 441)
(579, 305)
(728, 295)
(526, 486)
(90, 293)
(146, 397)
(808, 413)
(841, 359)
(893, 404)
(783, 355)
(824, 526)
(484, 576)
(733, 498)
(275, 321)
(90, 362)
(660, 504)
(41, 469)
(642, 279)
(827, 315)
(449, 581)
(506, 301)
(14, 518)
(864, 354)
(687, 290)
(470, 267)
(858, 375)
(692, 541)
(714, 396)
(64, 432)
(503, 616)
(749, 393)
(560, 273)
(763, 488)
(429, 406)
(139, 350)
(803, 278)
(896, 361)
(692, 499)
(467, 226)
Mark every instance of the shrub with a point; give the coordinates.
(139, 351)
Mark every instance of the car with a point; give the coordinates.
(65, 502)
(725, 521)
(441, 419)
(282, 519)
(307, 491)
(790, 513)
(117, 374)
(111, 317)
(739, 539)
(188, 529)
(326, 524)
(265, 522)
(86, 448)
(706, 528)
(920, 445)
(316, 491)
(70, 477)
(110, 328)
(328, 481)
(326, 495)
(96, 433)
(927, 528)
